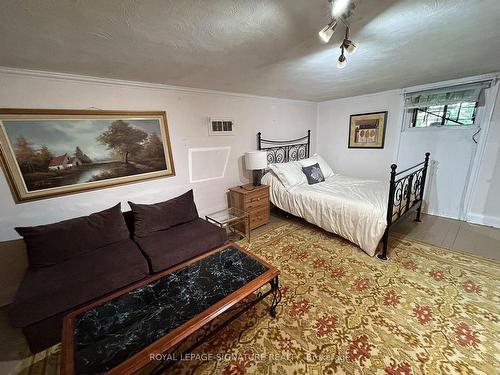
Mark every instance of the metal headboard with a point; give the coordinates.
(285, 151)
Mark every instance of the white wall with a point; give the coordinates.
(187, 114)
(452, 152)
(333, 134)
(485, 205)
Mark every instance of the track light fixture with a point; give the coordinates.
(327, 31)
(340, 10)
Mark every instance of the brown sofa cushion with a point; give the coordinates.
(44, 334)
(54, 243)
(149, 218)
(167, 248)
(47, 291)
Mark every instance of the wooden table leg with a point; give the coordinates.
(248, 228)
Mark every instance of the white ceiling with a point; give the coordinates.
(261, 47)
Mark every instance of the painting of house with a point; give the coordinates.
(63, 162)
(74, 162)
(57, 152)
(59, 162)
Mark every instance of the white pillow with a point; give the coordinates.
(290, 174)
(325, 168)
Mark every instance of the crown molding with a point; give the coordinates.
(386, 92)
(118, 82)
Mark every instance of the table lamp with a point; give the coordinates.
(256, 161)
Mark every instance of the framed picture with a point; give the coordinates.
(47, 153)
(367, 130)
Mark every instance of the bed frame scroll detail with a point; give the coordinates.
(285, 151)
(406, 193)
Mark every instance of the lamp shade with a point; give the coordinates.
(255, 160)
(327, 31)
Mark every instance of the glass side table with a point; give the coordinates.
(232, 218)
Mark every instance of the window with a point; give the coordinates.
(456, 114)
(452, 106)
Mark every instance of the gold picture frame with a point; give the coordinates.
(367, 130)
(47, 153)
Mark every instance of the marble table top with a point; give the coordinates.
(110, 333)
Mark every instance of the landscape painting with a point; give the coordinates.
(53, 152)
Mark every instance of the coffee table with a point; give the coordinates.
(117, 334)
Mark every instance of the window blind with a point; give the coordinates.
(445, 95)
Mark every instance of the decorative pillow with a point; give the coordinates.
(54, 243)
(325, 168)
(290, 174)
(313, 174)
(149, 218)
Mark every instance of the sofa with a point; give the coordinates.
(76, 261)
(173, 225)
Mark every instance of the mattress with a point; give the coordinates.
(353, 208)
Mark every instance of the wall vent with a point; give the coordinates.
(220, 126)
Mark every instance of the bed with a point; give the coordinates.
(359, 210)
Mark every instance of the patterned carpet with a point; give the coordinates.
(426, 311)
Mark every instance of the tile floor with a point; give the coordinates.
(453, 234)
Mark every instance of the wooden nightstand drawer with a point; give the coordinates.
(259, 217)
(258, 196)
(254, 201)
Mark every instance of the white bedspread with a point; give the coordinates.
(352, 208)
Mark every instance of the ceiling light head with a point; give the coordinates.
(342, 61)
(350, 46)
(326, 33)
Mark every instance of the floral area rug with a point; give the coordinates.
(427, 310)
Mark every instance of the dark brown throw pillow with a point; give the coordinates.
(313, 174)
(54, 243)
(149, 218)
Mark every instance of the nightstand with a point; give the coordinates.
(254, 200)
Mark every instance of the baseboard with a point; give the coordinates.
(433, 213)
(491, 221)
